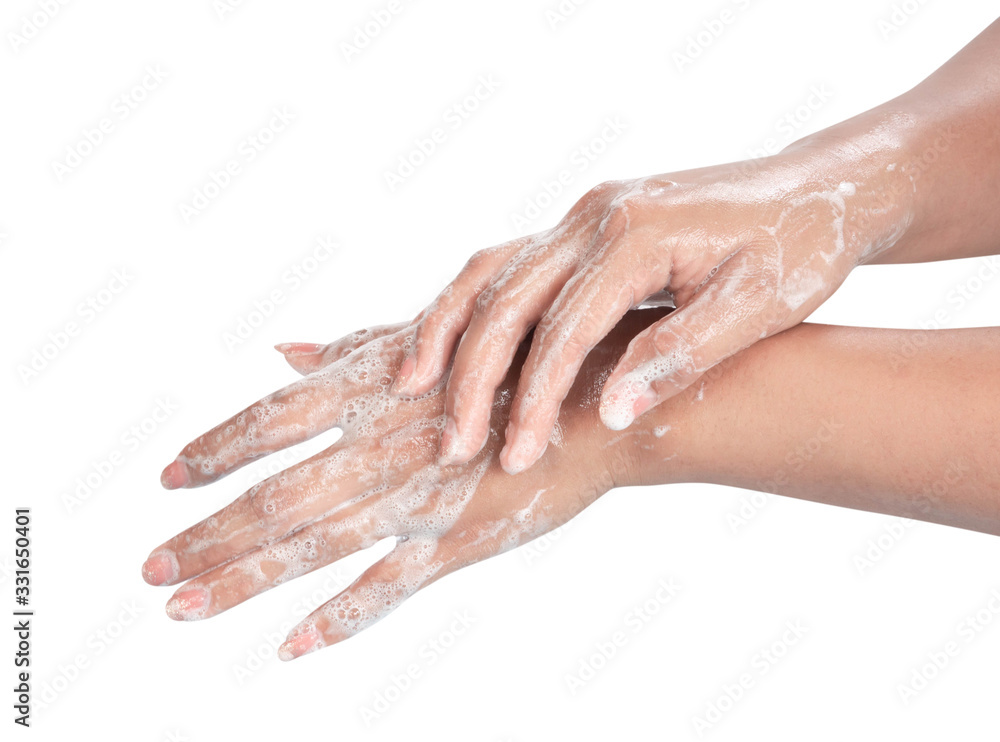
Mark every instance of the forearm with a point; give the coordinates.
(937, 148)
(861, 418)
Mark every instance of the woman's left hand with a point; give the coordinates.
(380, 479)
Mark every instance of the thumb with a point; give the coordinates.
(670, 355)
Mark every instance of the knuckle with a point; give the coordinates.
(554, 335)
(577, 319)
(548, 327)
(621, 212)
(539, 408)
(610, 236)
(479, 260)
(596, 198)
(436, 319)
(339, 349)
(467, 387)
(262, 505)
(665, 339)
(539, 398)
(347, 345)
(332, 354)
(574, 346)
(485, 299)
(425, 329)
(626, 203)
(673, 358)
(605, 190)
(493, 304)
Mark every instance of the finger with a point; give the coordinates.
(444, 321)
(732, 311)
(289, 416)
(303, 357)
(413, 564)
(307, 358)
(504, 314)
(312, 547)
(339, 396)
(586, 310)
(285, 502)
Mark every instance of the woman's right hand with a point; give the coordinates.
(745, 251)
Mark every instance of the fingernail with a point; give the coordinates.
(304, 643)
(513, 457)
(510, 464)
(449, 444)
(619, 408)
(160, 568)
(188, 605)
(174, 476)
(643, 402)
(518, 460)
(299, 349)
(401, 386)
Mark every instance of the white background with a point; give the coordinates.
(536, 616)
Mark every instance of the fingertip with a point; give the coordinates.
(300, 644)
(507, 464)
(175, 475)
(520, 451)
(401, 386)
(615, 412)
(160, 568)
(420, 382)
(454, 449)
(188, 605)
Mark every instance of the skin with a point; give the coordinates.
(886, 413)
(745, 249)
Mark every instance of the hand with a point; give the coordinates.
(380, 479)
(746, 250)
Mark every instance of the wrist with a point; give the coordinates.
(665, 445)
(700, 434)
(871, 160)
(662, 446)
